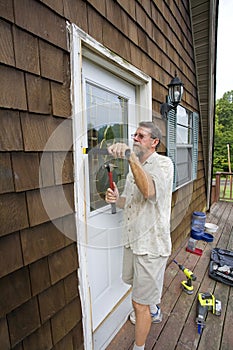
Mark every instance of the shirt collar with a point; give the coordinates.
(149, 160)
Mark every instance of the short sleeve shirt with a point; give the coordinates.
(147, 221)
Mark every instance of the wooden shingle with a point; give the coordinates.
(51, 301)
(71, 287)
(11, 204)
(26, 51)
(49, 203)
(46, 133)
(47, 169)
(6, 176)
(117, 16)
(76, 12)
(7, 10)
(100, 6)
(12, 89)
(38, 94)
(51, 61)
(10, 254)
(65, 343)
(26, 170)
(10, 131)
(95, 23)
(63, 167)
(115, 41)
(63, 263)
(56, 5)
(15, 290)
(41, 338)
(27, 315)
(39, 275)
(129, 7)
(4, 334)
(61, 99)
(63, 322)
(6, 44)
(40, 241)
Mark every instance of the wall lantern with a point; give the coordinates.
(175, 92)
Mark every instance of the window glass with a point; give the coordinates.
(107, 117)
(184, 165)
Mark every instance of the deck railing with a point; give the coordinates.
(224, 182)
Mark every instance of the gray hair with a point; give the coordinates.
(154, 130)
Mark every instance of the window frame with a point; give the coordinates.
(173, 145)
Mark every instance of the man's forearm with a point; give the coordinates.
(143, 180)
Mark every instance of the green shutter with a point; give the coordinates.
(171, 141)
(195, 145)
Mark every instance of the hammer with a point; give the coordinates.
(109, 167)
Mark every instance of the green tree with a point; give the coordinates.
(224, 110)
(223, 132)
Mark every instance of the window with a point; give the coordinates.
(182, 145)
(107, 119)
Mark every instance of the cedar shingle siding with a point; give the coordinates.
(40, 303)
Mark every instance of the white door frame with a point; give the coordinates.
(81, 44)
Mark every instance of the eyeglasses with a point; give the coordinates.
(140, 136)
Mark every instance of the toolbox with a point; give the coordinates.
(221, 265)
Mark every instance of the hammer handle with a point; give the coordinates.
(110, 180)
(113, 205)
(102, 151)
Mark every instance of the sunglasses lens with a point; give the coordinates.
(140, 136)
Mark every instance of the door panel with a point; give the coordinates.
(109, 111)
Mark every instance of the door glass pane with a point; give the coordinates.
(107, 118)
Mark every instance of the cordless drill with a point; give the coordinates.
(187, 285)
(206, 302)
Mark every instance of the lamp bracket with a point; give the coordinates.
(165, 109)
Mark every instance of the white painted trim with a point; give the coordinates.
(77, 112)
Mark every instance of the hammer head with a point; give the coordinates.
(110, 167)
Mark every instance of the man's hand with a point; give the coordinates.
(118, 150)
(112, 196)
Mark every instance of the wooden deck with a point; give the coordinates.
(178, 330)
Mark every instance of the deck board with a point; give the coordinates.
(178, 330)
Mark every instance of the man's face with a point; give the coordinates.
(143, 143)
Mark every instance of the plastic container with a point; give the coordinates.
(207, 237)
(201, 236)
(196, 234)
(211, 228)
(198, 220)
(191, 247)
(192, 244)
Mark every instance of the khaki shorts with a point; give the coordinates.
(145, 274)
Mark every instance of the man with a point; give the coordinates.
(146, 200)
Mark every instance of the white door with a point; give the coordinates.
(109, 105)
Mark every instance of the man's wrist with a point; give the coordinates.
(127, 153)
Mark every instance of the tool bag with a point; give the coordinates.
(221, 266)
